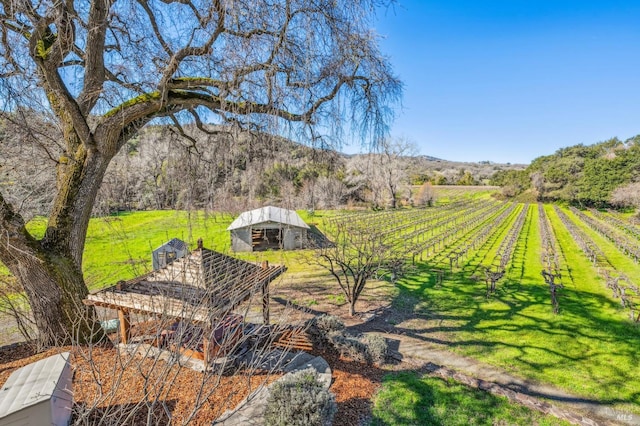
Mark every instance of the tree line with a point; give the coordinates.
(604, 174)
(224, 169)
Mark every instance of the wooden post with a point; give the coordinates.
(125, 323)
(265, 296)
(206, 346)
(123, 318)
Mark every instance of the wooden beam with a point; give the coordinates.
(206, 349)
(265, 303)
(125, 325)
(265, 295)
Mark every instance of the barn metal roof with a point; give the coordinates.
(268, 214)
(32, 384)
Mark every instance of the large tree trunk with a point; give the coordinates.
(50, 270)
(56, 289)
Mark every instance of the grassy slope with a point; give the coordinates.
(590, 348)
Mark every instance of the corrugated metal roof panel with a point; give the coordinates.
(268, 214)
(174, 243)
(32, 384)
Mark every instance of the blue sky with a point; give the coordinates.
(510, 80)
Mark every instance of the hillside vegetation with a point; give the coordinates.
(224, 170)
(584, 175)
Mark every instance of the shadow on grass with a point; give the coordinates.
(297, 307)
(410, 398)
(317, 239)
(588, 348)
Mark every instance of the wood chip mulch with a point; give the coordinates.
(354, 384)
(113, 387)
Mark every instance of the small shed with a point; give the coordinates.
(268, 228)
(168, 252)
(38, 394)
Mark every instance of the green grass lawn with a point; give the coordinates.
(590, 348)
(406, 398)
(119, 247)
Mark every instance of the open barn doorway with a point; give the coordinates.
(266, 239)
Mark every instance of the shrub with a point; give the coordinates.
(300, 400)
(349, 346)
(368, 348)
(321, 327)
(329, 323)
(377, 348)
(328, 329)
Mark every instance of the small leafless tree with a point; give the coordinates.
(627, 196)
(383, 172)
(330, 192)
(390, 167)
(355, 255)
(425, 196)
(550, 280)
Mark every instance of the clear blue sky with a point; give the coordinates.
(510, 80)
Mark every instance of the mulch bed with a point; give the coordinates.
(354, 384)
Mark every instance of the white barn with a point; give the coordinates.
(268, 228)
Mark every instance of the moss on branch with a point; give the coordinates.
(145, 97)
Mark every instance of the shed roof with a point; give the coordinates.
(268, 214)
(174, 243)
(32, 384)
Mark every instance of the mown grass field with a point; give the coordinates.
(119, 247)
(591, 348)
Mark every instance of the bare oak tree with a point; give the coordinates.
(390, 167)
(101, 70)
(383, 171)
(425, 196)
